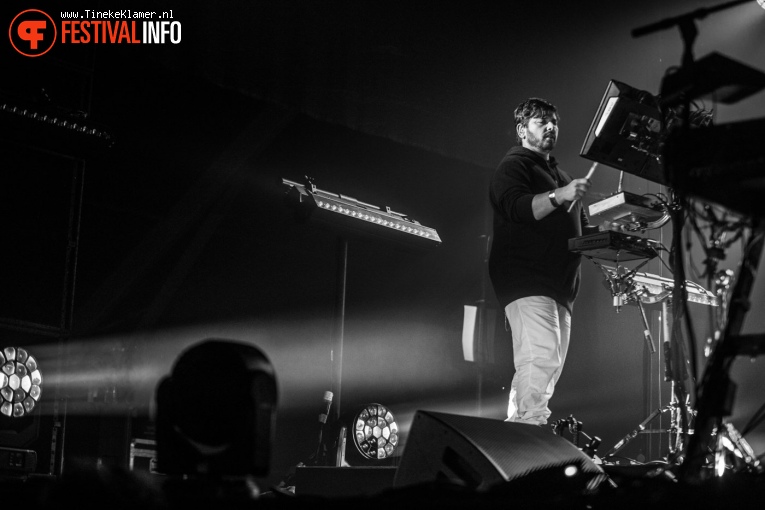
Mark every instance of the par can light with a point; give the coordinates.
(375, 434)
(20, 382)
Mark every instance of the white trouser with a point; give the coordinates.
(541, 330)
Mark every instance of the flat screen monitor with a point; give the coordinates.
(627, 132)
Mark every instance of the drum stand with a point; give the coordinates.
(718, 440)
(624, 290)
(680, 412)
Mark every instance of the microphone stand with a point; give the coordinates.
(683, 19)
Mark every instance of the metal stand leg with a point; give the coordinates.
(646, 327)
(680, 411)
(632, 435)
(339, 326)
(648, 443)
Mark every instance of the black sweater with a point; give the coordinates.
(530, 257)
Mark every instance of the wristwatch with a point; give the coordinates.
(551, 196)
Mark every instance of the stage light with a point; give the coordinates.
(762, 3)
(216, 412)
(20, 382)
(309, 197)
(375, 432)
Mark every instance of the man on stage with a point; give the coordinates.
(534, 275)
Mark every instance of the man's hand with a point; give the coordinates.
(574, 190)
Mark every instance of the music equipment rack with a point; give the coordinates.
(625, 208)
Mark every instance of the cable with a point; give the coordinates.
(754, 421)
(662, 260)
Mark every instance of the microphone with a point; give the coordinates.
(326, 405)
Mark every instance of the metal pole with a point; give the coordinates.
(339, 326)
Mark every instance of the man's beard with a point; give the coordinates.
(546, 144)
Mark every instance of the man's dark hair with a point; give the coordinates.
(532, 108)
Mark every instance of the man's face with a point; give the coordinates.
(541, 133)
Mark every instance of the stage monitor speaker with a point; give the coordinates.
(480, 453)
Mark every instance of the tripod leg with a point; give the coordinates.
(632, 435)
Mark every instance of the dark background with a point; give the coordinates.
(185, 234)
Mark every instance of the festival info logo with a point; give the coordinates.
(32, 33)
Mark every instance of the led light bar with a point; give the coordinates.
(56, 129)
(60, 121)
(355, 213)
